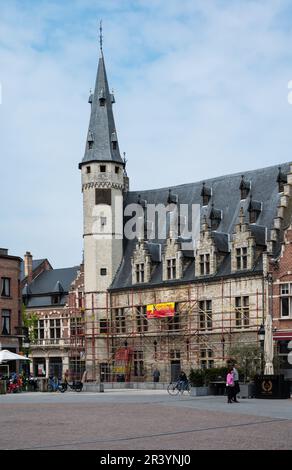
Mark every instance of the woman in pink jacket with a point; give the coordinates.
(230, 384)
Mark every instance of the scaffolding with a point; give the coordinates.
(196, 335)
(77, 323)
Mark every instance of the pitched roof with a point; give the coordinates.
(227, 195)
(48, 283)
(35, 264)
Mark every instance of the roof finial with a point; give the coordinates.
(100, 35)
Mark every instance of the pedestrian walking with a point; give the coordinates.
(156, 375)
(230, 385)
(84, 377)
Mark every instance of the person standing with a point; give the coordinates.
(156, 375)
(230, 385)
(236, 383)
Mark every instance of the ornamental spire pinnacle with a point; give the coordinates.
(100, 36)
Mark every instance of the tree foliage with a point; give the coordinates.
(30, 320)
(248, 358)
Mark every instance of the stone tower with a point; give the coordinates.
(103, 182)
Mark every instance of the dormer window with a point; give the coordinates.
(281, 180)
(172, 198)
(215, 217)
(90, 140)
(140, 272)
(55, 299)
(205, 264)
(241, 258)
(206, 194)
(114, 140)
(254, 209)
(171, 268)
(101, 97)
(244, 188)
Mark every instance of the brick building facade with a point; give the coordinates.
(281, 293)
(54, 298)
(10, 303)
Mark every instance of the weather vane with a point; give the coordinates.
(100, 35)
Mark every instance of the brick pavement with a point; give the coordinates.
(139, 421)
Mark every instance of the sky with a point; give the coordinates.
(201, 89)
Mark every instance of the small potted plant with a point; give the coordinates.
(197, 381)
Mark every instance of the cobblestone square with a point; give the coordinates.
(141, 419)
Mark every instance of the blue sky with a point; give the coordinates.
(201, 90)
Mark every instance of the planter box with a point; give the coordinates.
(199, 391)
(246, 391)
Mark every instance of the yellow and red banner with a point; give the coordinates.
(166, 309)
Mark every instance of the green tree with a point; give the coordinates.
(30, 320)
(248, 358)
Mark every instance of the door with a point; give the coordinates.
(55, 367)
(174, 370)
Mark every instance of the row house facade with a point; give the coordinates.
(10, 304)
(53, 299)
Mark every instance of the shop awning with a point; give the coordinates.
(282, 335)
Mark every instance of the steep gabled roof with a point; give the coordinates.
(48, 283)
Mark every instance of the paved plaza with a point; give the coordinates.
(141, 419)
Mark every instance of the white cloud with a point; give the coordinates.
(201, 90)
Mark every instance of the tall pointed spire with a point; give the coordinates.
(102, 142)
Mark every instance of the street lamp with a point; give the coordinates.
(26, 346)
(261, 336)
(155, 349)
(188, 349)
(223, 347)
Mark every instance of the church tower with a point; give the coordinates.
(103, 184)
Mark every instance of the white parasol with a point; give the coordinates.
(6, 355)
(268, 346)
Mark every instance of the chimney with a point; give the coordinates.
(28, 266)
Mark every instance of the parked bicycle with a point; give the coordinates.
(54, 385)
(174, 388)
(76, 386)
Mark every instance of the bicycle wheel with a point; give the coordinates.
(173, 389)
(187, 389)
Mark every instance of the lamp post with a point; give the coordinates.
(223, 347)
(188, 349)
(261, 336)
(26, 346)
(155, 349)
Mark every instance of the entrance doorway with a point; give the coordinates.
(104, 371)
(55, 367)
(174, 370)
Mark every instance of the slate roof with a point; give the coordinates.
(48, 283)
(35, 264)
(102, 130)
(225, 190)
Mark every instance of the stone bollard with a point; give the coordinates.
(2, 387)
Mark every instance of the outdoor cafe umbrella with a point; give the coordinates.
(268, 346)
(6, 355)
